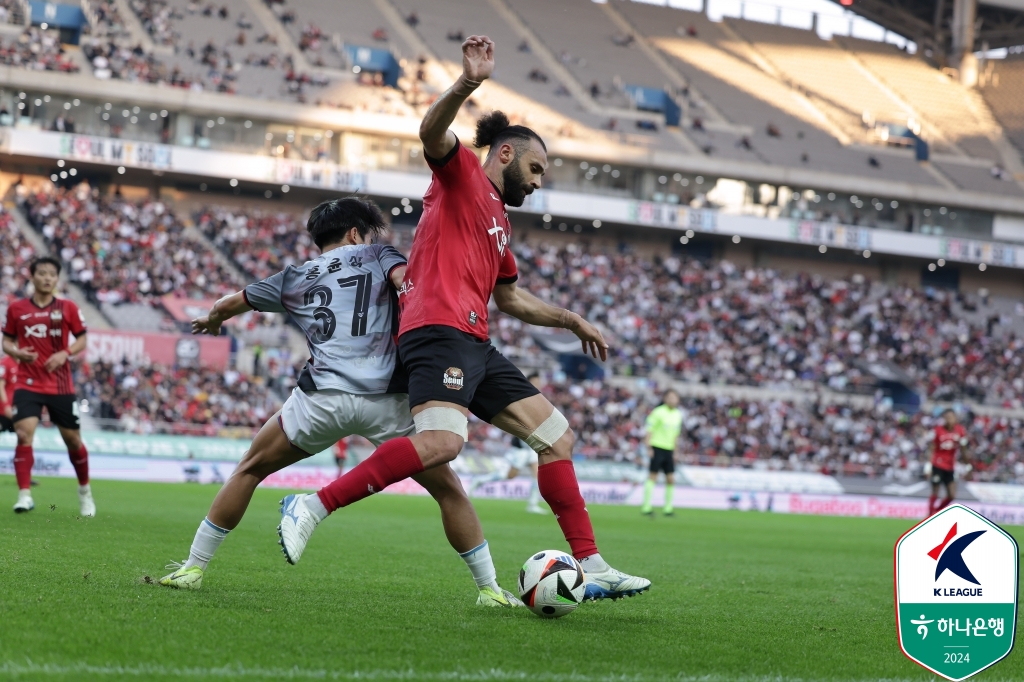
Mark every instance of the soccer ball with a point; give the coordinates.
(551, 583)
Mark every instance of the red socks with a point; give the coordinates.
(23, 461)
(945, 503)
(80, 460)
(393, 461)
(931, 505)
(560, 489)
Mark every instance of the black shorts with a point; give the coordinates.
(5, 424)
(449, 365)
(662, 461)
(943, 476)
(63, 409)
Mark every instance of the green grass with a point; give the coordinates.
(380, 595)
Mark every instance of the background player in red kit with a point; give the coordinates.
(950, 437)
(460, 258)
(8, 381)
(36, 334)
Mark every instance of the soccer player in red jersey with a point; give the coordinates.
(8, 380)
(460, 258)
(950, 437)
(36, 335)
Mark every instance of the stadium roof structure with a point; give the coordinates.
(929, 22)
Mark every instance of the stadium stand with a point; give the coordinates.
(156, 399)
(38, 50)
(761, 327)
(321, 31)
(123, 251)
(780, 125)
(1004, 92)
(959, 113)
(15, 254)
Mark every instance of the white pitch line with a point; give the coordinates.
(492, 675)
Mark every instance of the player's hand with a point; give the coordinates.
(24, 354)
(478, 58)
(56, 360)
(206, 325)
(591, 338)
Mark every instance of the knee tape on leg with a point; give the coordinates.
(548, 433)
(442, 419)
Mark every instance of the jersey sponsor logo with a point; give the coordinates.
(407, 286)
(25, 317)
(453, 378)
(36, 331)
(494, 197)
(500, 237)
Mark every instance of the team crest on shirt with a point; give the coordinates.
(56, 316)
(453, 378)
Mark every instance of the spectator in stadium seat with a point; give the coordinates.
(380, 34)
(873, 162)
(413, 19)
(456, 36)
(772, 130)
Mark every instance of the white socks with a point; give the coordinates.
(480, 565)
(208, 539)
(534, 494)
(83, 489)
(594, 564)
(314, 505)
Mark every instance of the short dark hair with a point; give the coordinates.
(41, 261)
(492, 129)
(331, 220)
(949, 410)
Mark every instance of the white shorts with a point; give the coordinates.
(315, 421)
(521, 458)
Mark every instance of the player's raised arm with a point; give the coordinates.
(222, 311)
(477, 66)
(524, 306)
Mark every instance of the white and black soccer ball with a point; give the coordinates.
(551, 583)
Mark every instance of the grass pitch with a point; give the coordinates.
(379, 595)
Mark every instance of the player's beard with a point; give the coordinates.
(516, 187)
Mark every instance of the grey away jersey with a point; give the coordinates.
(346, 305)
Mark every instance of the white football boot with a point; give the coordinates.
(85, 503)
(297, 524)
(24, 502)
(613, 584)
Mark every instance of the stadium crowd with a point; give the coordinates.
(37, 50)
(120, 250)
(760, 327)
(774, 434)
(15, 255)
(196, 401)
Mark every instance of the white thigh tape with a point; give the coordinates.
(442, 419)
(548, 433)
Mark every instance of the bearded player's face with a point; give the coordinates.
(524, 173)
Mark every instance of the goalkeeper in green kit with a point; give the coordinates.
(663, 427)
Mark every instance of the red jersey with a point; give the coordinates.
(461, 250)
(46, 331)
(9, 375)
(947, 446)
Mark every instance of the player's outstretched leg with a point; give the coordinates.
(393, 461)
(301, 514)
(270, 452)
(535, 421)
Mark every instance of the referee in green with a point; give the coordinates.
(663, 427)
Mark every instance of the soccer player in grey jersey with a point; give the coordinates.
(346, 303)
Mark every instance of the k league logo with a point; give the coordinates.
(956, 579)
